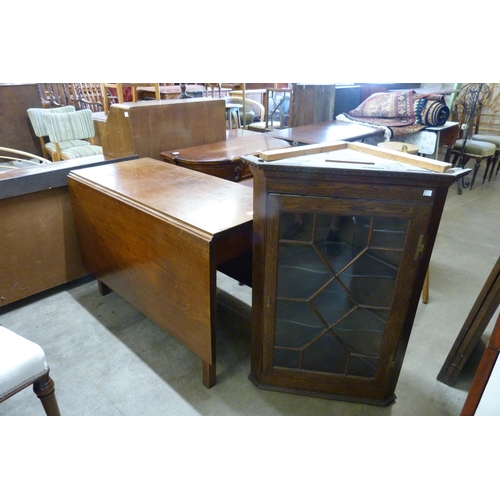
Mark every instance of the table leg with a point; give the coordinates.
(208, 374)
(425, 290)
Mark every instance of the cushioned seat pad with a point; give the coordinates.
(80, 152)
(494, 139)
(21, 362)
(475, 148)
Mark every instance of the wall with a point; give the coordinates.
(490, 117)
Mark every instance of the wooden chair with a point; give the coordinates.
(23, 364)
(254, 111)
(37, 119)
(87, 96)
(466, 111)
(119, 92)
(73, 126)
(54, 95)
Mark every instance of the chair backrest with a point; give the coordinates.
(70, 126)
(36, 116)
(88, 96)
(467, 107)
(250, 105)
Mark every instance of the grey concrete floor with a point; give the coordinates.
(106, 358)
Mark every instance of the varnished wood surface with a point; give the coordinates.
(39, 248)
(154, 233)
(483, 373)
(16, 131)
(477, 320)
(223, 158)
(203, 203)
(326, 132)
(147, 128)
(21, 181)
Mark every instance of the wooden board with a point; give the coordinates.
(417, 161)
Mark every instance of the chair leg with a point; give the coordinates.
(494, 164)
(44, 389)
(488, 164)
(476, 168)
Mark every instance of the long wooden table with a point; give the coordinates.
(328, 132)
(156, 234)
(223, 158)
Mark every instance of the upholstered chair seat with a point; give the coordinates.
(475, 147)
(23, 364)
(494, 139)
(36, 116)
(478, 150)
(75, 126)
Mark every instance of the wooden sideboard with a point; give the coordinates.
(147, 128)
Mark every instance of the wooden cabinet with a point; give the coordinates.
(312, 104)
(332, 316)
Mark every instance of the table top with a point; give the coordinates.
(174, 89)
(447, 125)
(229, 150)
(327, 132)
(424, 90)
(192, 200)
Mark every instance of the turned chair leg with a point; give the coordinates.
(44, 389)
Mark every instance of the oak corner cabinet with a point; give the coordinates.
(334, 304)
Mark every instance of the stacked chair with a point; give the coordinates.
(469, 145)
(71, 132)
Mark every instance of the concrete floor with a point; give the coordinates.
(108, 359)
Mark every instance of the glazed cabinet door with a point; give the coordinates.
(336, 296)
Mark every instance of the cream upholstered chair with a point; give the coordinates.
(36, 116)
(75, 126)
(23, 364)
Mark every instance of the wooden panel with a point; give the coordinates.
(39, 245)
(38, 248)
(149, 262)
(150, 127)
(15, 128)
(312, 104)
